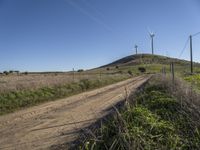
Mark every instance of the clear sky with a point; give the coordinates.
(58, 35)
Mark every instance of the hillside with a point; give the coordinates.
(152, 64)
(148, 59)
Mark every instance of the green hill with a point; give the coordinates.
(152, 63)
(148, 59)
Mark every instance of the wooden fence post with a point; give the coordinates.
(172, 71)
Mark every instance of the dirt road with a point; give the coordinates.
(60, 121)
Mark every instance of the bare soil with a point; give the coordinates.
(59, 122)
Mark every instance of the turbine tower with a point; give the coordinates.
(152, 35)
(136, 49)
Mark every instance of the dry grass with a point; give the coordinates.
(183, 91)
(53, 89)
(35, 81)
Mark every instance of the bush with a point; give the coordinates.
(130, 72)
(108, 69)
(117, 67)
(85, 84)
(120, 71)
(142, 69)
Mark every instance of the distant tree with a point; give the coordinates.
(11, 71)
(80, 70)
(17, 71)
(6, 72)
(117, 67)
(108, 68)
(26, 73)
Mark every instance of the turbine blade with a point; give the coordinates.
(149, 31)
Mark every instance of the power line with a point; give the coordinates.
(184, 47)
(90, 15)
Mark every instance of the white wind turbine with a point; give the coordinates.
(152, 35)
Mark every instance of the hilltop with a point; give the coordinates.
(152, 64)
(147, 59)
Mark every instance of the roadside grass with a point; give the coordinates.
(155, 120)
(33, 81)
(194, 79)
(15, 100)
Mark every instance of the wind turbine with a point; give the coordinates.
(136, 48)
(152, 35)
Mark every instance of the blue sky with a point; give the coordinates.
(58, 35)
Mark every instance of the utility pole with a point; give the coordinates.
(73, 74)
(136, 47)
(152, 45)
(170, 67)
(191, 58)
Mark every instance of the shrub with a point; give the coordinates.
(117, 67)
(85, 84)
(108, 69)
(142, 69)
(130, 72)
(120, 71)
